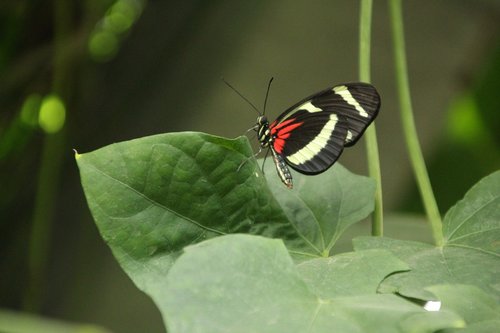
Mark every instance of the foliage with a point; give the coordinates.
(11, 321)
(162, 232)
(193, 233)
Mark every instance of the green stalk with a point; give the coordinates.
(49, 172)
(410, 132)
(371, 133)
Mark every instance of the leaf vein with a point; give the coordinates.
(155, 202)
(471, 215)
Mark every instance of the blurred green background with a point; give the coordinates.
(84, 74)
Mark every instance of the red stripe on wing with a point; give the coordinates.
(278, 145)
(285, 131)
(281, 132)
(276, 127)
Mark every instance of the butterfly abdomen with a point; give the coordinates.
(282, 169)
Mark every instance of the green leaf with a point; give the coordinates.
(432, 322)
(474, 222)
(153, 196)
(430, 266)
(349, 274)
(482, 327)
(473, 304)
(463, 259)
(257, 288)
(19, 322)
(323, 207)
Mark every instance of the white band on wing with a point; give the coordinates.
(344, 92)
(313, 148)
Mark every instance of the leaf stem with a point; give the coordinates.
(410, 132)
(49, 170)
(371, 133)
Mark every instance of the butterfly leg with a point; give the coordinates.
(254, 128)
(248, 158)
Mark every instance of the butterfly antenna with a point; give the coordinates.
(236, 91)
(267, 94)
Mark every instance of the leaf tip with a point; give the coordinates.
(77, 156)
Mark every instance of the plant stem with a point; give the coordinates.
(371, 133)
(49, 172)
(410, 132)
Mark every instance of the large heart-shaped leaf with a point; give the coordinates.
(153, 196)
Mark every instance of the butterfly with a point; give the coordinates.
(310, 136)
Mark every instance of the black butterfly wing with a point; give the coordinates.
(312, 134)
(359, 103)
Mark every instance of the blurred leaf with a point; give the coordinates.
(257, 288)
(465, 259)
(465, 125)
(52, 115)
(488, 326)
(16, 134)
(485, 94)
(153, 196)
(109, 32)
(30, 109)
(18, 322)
(470, 141)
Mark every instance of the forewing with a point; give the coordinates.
(358, 103)
(312, 134)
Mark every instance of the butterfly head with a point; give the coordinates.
(262, 120)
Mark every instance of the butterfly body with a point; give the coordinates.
(310, 136)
